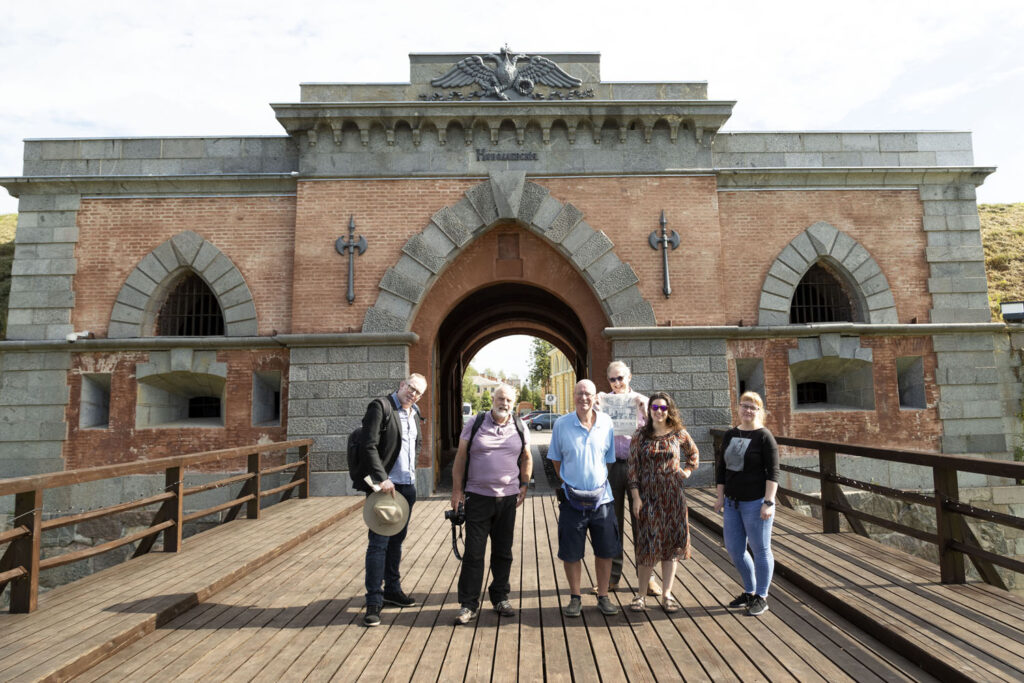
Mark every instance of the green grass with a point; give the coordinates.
(1002, 234)
(7, 224)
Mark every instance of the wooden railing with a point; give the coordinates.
(953, 537)
(21, 563)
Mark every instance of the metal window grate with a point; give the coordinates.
(811, 392)
(191, 310)
(820, 298)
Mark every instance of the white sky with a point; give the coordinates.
(184, 67)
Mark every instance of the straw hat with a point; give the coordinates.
(386, 514)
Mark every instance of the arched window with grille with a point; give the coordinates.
(190, 310)
(821, 297)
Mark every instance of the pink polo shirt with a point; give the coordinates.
(494, 457)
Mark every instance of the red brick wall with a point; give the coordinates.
(387, 214)
(757, 226)
(122, 442)
(256, 233)
(885, 426)
(628, 209)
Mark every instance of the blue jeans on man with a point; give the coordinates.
(742, 524)
(384, 554)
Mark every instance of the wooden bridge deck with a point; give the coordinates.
(298, 614)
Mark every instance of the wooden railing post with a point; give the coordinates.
(305, 471)
(28, 512)
(173, 482)
(830, 492)
(949, 525)
(252, 508)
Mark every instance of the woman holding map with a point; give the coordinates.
(657, 487)
(627, 409)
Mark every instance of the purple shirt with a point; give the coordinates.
(494, 457)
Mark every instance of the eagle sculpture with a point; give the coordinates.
(505, 75)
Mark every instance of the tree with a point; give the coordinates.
(469, 394)
(526, 395)
(540, 363)
(485, 400)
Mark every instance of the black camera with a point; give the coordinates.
(457, 516)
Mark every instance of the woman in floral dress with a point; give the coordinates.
(656, 484)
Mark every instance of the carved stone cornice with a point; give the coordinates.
(335, 121)
(850, 177)
(163, 185)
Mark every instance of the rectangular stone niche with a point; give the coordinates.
(266, 398)
(832, 384)
(749, 376)
(910, 378)
(167, 400)
(94, 402)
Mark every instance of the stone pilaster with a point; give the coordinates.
(44, 266)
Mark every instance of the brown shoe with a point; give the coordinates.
(653, 589)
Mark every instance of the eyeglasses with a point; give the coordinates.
(620, 378)
(659, 408)
(747, 406)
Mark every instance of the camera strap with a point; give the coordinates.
(455, 545)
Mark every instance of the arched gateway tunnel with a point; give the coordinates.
(509, 282)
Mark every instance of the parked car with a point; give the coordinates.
(541, 421)
(533, 414)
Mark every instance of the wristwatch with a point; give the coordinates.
(769, 503)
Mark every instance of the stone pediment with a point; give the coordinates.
(471, 113)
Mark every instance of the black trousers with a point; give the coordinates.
(618, 474)
(493, 517)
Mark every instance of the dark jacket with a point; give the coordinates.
(382, 442)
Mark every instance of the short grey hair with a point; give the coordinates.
(506, 389)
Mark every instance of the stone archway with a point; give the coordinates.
(824, 242)
(146, 286)
(507, 196)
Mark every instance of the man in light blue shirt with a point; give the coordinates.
(582, 447)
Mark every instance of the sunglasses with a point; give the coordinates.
(620, 378)
(657, 409)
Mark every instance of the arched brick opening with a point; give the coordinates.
(845, 257)
(146, 287)
(486, 293)
(508, 196)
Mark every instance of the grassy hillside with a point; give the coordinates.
(7, 223)
(1002, 234)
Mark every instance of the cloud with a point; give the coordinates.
(118, 68)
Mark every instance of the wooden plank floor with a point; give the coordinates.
(957, 632)
(300, 618)
(82, 623)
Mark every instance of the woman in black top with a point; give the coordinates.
(747, 474)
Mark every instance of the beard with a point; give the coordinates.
(500, 413)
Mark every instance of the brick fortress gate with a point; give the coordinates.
(840, 274)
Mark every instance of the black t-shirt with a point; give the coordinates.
(747, 460)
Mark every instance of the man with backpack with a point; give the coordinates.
(385, 449)
(491, 475)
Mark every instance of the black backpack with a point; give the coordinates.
(355, 472)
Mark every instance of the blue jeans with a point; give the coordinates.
(383, 555)
(742, 524)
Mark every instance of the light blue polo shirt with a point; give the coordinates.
(585, 455)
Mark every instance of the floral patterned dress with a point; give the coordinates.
(662, 527)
